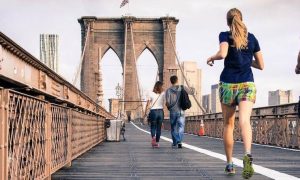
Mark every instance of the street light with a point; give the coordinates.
(119, 91)
(119, 94)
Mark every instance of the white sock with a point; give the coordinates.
(247, 152)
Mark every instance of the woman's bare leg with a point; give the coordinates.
(229, 116)
(245, 109)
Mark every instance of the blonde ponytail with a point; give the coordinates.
(238, 28)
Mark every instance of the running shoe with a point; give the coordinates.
(153, 141)
(156, 145)
(229, 169)
(248, 170)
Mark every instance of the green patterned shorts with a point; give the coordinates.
(233, 93)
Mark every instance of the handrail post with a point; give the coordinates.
(3, 134)
(69, 129)
(48, 141)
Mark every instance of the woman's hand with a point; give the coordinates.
(297, 69)
(210, 61)
(221, 54)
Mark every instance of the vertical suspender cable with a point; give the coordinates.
(124, 67)
(187, 83)
(137, 78)
(82, 56)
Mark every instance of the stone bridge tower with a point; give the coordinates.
(128, 37)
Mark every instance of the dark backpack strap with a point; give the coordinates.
(299, 109)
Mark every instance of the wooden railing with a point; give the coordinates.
(38, 137)
(45, 122)
(273, 125)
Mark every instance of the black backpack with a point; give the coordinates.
(184, 100)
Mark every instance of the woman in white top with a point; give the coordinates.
(156, 114)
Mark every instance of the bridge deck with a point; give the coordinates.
(135, 159)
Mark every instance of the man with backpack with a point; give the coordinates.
(177, 101)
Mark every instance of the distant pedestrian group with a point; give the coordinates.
(156, 101)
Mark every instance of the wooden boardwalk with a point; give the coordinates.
(135, 159)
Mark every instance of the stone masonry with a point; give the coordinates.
(119, 34)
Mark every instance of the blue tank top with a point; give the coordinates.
(237, 64)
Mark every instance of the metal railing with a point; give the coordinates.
(37, 137)
(273, 125)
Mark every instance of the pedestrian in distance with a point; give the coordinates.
(297, 69)
(236, 88)
(129, 117)
(177, 118)
(156, 114)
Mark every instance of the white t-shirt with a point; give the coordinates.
(159, 104)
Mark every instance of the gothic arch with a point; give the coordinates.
(118, 34)
(117, 51)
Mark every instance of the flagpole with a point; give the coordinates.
(124, 3)
(128, 8)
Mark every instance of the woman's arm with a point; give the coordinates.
(146, 109)
(221, 54)
(258, 63)
(149, 100)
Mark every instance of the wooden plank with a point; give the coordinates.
(135, 159)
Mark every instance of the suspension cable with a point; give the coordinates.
(136, 75)
(181, 69)
(81, 58)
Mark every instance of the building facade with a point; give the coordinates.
(206, 103)
(114, 106)
(280, 97)
(49, 50)
(215, 100)
(193, 75)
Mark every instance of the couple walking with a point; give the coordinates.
(170, 97)
(237, 47)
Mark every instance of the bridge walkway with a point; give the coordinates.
(135, 159)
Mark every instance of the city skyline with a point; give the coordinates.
(194, 77)
(279, 97)
(49, 51)
(197, 34)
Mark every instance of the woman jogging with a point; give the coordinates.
(237, 88)
(156, 114)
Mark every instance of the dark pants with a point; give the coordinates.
(177, 121)
(156, 119)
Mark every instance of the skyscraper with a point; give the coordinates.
(49, 50)
(193, 76)
(206, 103)
(215, 100)
(280, 97)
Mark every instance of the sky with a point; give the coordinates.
(275, 23)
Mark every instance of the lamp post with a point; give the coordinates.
(119, 91)
(119, 94)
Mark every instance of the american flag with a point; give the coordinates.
(124, 2)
